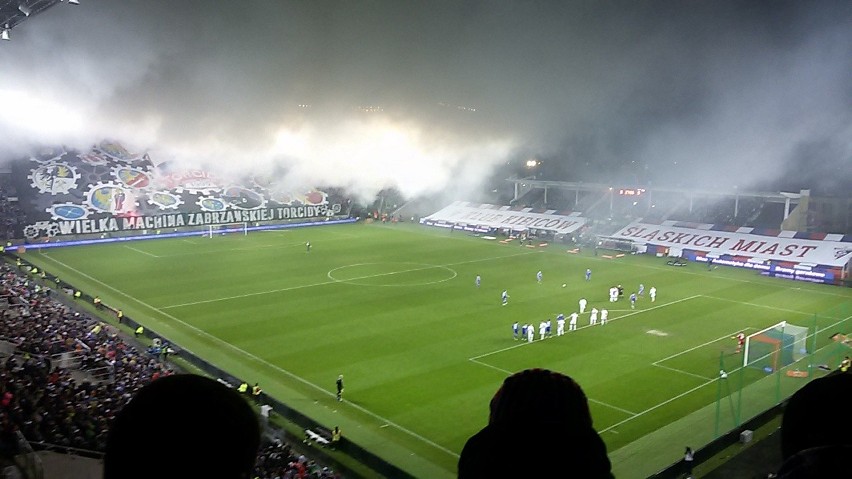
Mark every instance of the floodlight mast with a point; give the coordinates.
(27, 8)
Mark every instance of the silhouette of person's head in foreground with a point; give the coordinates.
(183, 426)
(815, 429)
(540, 426)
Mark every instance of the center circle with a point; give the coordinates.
(392, 274)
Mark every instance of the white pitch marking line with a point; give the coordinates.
(290, 288)
(493, 367)
(718, 277)
(652, 408)
(590, 325)
(681, 371)
(657, 362)
(259, 360)
(711, 381)
(140, 251)
(758, 305)
(700, 346)
(625, 411)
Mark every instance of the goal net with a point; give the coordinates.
(775, 347)
(225, 229)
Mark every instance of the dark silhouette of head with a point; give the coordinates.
(543, 413)
(815, 439)
(183, 426)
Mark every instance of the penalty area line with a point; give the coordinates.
(755, 305)
(653, 408)
(589, 326)
(720, 338)
(625, 411)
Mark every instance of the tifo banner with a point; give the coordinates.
(494, 216)
(108, 189)
(772, 248)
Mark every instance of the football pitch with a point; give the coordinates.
(394, 308)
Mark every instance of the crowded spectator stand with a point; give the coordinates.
(65, 375)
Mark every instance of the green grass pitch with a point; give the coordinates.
(395, 310)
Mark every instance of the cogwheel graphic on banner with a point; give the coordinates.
(67, 212)
(209, 203)
(110, 198)
(132, 177)
(48, 155)
(35, 230)
(243, 198)
(118, 152)
(93, 159)
(194, 182)
(54, 178)
(164, 200)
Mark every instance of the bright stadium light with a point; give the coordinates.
(4, 35)
(25, 9)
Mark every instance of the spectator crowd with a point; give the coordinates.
(56, 406)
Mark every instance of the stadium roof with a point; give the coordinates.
(771, 197)
(15, 12)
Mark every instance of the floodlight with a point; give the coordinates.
(73, 2)
(24, 9)
(4, 35)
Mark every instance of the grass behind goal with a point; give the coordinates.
(395, 310)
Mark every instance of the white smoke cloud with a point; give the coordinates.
(607, 92)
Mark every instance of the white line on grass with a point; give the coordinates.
(679, 271)
(701, 346)
(657, 362)
(758, 305)
(681, 371)
(494, 367)
(475, 359)
(625, 411)
(140, 251)
(832, 325)
(589, 325)
(652, 408)
(259, 360)
(323, 283)
(711, 381)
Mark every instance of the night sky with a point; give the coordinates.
(438, 96)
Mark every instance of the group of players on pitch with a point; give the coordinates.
(526, 332)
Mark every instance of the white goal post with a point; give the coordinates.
(776, 346)
(223, 229)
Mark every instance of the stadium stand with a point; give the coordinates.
(50, 398)
(11, 214)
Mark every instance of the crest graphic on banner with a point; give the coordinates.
(110, 198)
(54, 178)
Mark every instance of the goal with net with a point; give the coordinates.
(225, 229)
(777, 346)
